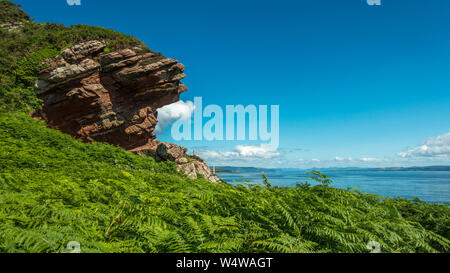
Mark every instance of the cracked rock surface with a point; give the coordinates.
(112, 97)
(108, 97)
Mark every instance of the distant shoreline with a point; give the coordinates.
(231, 169)
(223, 171)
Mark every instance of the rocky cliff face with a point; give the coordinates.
(112, 97)
(108, 97)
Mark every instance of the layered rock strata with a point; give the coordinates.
(113, 97)
(109, 97)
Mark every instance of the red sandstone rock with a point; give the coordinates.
(113, 97)
(109, 97)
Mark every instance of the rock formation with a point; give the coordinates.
(108, 97)
(112, 97)
(11, 27)
(192, 166)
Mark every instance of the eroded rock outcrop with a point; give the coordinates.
(112, 97)
(109, 97)
(192, 166)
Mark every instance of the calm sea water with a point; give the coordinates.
(430, 186)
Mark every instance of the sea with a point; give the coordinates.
(429, 186)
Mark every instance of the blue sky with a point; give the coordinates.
(357, 85)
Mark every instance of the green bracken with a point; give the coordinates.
(55, 189)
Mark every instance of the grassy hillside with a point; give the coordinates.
(54, 189)
(23, 50)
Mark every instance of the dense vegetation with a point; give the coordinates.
(54, 189)
(11, 13)
(22, 51)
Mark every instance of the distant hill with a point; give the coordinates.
(426, 168)
(253, 169)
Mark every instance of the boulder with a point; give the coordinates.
(171, 152)
(190, 166)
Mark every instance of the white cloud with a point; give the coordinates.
(371, 159)
(208, 154)
(350, 160)
(241, 153)
(261, 151)
(315, 160)
(170, 113)
(438, 146)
